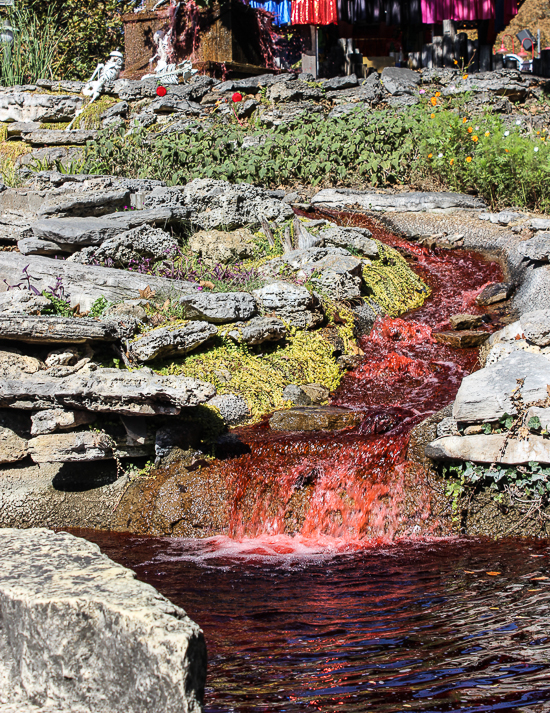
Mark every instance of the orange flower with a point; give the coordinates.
(538, 133)
(433, 101)
(465, 76)
(432, 116)
(438, 94)
(475, 139)
(430, 155)
(470, 129)
(468, 159)
(507, 151)
(452, 161)
(464, 120)
(454, 60)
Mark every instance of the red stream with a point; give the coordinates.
(356, 484)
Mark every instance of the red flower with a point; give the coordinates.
(161, 91)
(237, 97)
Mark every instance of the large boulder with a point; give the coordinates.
(485, 395)
(292, 303)
(130, 393)
(80, 633)
(84, 284)
(398, 80)
(222, 246)
(168, 341)
(351, 238)
(536, 248)
(219, 204)
(132, 246)
(27, 106)
(79, 232)
(218, 307)
(232, 408)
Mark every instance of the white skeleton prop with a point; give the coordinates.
(168, 72)
(103, 73)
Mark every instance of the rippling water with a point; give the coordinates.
(449, 625)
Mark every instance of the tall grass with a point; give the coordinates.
(34, 52)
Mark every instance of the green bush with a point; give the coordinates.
(423, 144)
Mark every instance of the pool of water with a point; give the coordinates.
(291, 625)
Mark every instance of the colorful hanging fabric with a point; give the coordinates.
(281, 10)
(314, 12)
(435, 11)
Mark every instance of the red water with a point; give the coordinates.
(356, 484)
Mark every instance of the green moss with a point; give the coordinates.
(54, 125)
(91, 115)
(304, 358)
(392, 283)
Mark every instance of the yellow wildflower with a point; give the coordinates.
(474, 139)
(438, 94)
(430, 155)
(468, 159)
(452, 161)
(470, 130)
(432, 116)
(487, 133)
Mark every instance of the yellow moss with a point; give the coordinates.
(91, 116)
(305, 358)
(57, 125)
(13, 149)
(394, 286)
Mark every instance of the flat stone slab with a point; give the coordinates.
(465, 321)
(322, 418)
(85, 203)
(398, 202)
(130, 393)
(485, 395)
(57, 137)
(462, 339)
(27, 106)
(491, 448)
(80, 633)
(256, 331)
(496, 292)
(86, 283)
(62, 330)
(34, 246)
(95, 230)
(536, 327)
(82, 446)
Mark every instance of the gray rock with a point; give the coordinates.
(252, 85)
(170, 104)
(12, 448)
(536, 327)
(305, 395)
(315, 258)
(543, 414)
(222, 246)
(256, 331)
(195, 89)
(45, 329)
(232, 407)
(108, 391)
(485, 394)
(71, 447)
(166, 341)
(398, 202)
(79, 632)
(247, 108)
(505, 217)
(494, 448)
(364, 318)
(34, 246)
(292, 303)
(145, 119)
(14, 365)
(219, 307)
(493, 293)
(218, 204)
(21, 106)
(403, 100)
(447, 427)
(284, 113)
(134, 309)
(56, 137)
(343, 110)
(397, 80)
(311, 418)
(540, 224)
(338, 284)
(119, 109)
(537, 248)
(94, 231)
(336, 83)
(58, 419)
(85, 203)
(84, 284)
(352, 238)
(128, 89)
(369, 92)
(22, 302)
(494, 84)
(130, 246)
(293, 92)
(17, 128)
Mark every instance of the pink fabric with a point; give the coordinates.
(435, 11)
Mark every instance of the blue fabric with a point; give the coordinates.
(281, 10)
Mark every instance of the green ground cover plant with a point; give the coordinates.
(436, 142)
